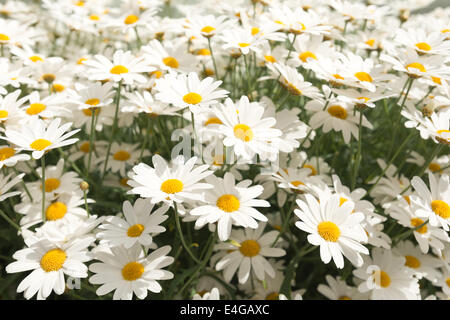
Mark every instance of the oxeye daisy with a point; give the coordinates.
(245, 129)
(123, 155)
(95, 95)
(129, 272)
(45, 108)
(309, 47)
(424, 42)
(10, 111)
(6, 184)
(240, 41)
(50, 263)
(230, 204)
(39, 138)
(385, 277)
(123, 67)
(205, 25)
(437, 126)
(177, 182)
(433, 203)
(9, 157)
(247, 252)
(189, 91)
(293, 179)
(214, 294)
(336, 115)
(139, 225)
(334, 228)
(137, 102)
(338, 289)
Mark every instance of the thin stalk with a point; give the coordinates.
(8, 219)
(180, 233)
(213, 59)
(44, 218)
(358, 153)
(91, 142)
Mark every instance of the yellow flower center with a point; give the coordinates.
(436, 80)
(56, 211)
(243, 132)
(94, 17)
(4, 113)
(132, 271)
(119, 69)
(329, 231)
(40, 144)
(296, 183)
(92, 102)
(441, 208)
(6, 153)
(307, 54)
(423, 46)
(417, 65)
(338, 112)
(4, 37)
(56, 87)
(192, 98)
(370, 42)
(447, 281)
(124, 182)
(342, 201)
(415, 222)
(243, 44)
(293, 89)
(219, 159)
(172, 186)
(171, 62)
(434, 167)
(381, 278)
(203, 52)
(250, 248)
(81, 60)
(35, 108)
(270, 59)
(53, 260)
(364, 98)
(313, 170)
(49, 77)
(273, 296)
(122, 155)
(408, 199)
(254, 31)
(51, 184)
(228, 203)
(212, 120)
(412, 262)
(337, 76)
(363, 76)
(88, 112)
(35, 58)
(135, 230)
(344, 298)
(207, 29)
(131, 19)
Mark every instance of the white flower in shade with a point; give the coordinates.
(245, 128)
(333, 227)
(57, 182)
(433, 203)
(423, 265)
(139, 225)
(39, 138)
(189, 91)
(124, 67)
(123, 155)
(129, 272)
(386, 277)
(136, 102)
(247, 252)
(436, 127)
(10, 112)
(95, 95)
(444, 283)
(179, 182)
(404, 211)
(67, 209)
(9, 157)
(214, 294)
(424, 42)
(47, 107)
(335, 115)
(270, 288)
(292, 80)
(205, 25)
(173, 57)
(5, 185)
(338, 289)
(241, 41)
(230, 204)
(50, 263)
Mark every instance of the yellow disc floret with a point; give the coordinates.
(192, 98)
(53, 260)
(441, 208)
(40, 144)
(228, 203)
(55, 211)
(132, 271)
(172, 186)
(250, 248)
(243, 132)
(135, 230)
(329, 231)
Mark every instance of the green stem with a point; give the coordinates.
(91, 142)
(44, 218)
(213, 59)
(358, 153)
(8, 219)
(180, 233)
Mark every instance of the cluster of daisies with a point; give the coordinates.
(263, 149)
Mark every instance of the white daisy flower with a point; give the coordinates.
(5, 185)
(189, 91)
(178, 182)
(136, 102)
(124, 67)
(10, 111)
(433, 203)
(386, 277)
(48, 107)
(424, 42)
(129, 272)
(248, 252)
(39, 138)
(139, 225)
(95, 95)
(245, 129)
(50, 263)
(214, 294)
(338, 289)
(9, 157)
(230, 204)
(334, 228)
(123, 155)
